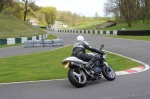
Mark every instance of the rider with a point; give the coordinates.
(79, 51)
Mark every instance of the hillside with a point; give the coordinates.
(11, 26)
(136, 25)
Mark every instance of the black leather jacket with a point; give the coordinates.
(80, 46)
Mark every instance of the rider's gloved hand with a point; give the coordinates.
(101, 52)
(97, 56)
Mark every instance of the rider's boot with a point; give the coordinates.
(90, 64)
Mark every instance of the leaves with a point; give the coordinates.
(128, 10)
(50, 14)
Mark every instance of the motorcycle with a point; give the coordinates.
(78, 75)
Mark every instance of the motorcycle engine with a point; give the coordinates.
(97, 70)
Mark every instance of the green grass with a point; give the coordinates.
(51, 37)
(12, 27)
(47, 65)
(119, 63)
(145, 38)
(136, 25)
(88, 24)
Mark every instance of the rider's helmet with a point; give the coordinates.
(80, 38)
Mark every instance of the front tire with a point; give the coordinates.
(109, 73)
(77, 77)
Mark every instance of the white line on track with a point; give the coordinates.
(138, 69)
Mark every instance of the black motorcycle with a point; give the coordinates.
(78, 75)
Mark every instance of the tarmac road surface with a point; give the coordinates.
(132, 86)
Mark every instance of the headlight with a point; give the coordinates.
(104, 56)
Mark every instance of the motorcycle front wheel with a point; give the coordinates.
(77, 77)
(108, 73)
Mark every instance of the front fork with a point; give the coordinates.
(106, 64)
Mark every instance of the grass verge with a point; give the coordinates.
(47, 65)
(50, 37)
(136, 25)
(89, 24)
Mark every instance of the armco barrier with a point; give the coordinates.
(44, 43)
(9, 41)
(111, 32)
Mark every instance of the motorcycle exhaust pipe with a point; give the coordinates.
(76, 65)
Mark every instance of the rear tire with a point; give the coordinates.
(77, 77)
(109, 73)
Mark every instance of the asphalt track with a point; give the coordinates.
(133, 86)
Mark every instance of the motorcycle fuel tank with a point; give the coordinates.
(73, 59)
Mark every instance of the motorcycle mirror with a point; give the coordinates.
(102, 46)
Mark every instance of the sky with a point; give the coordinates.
(87, 8)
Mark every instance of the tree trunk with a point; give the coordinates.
(25, 16)
(25, 9)
(146, 10)
(1, 8)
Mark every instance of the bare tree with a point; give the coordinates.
(96, 17)
(129, 10)
(123, 9)
(145, 9)
(110, 7)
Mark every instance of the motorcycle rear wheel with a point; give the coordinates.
(109, 73)
(77, 77)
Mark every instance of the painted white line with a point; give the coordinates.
(124, 72)
(137, 69)
(32, 81)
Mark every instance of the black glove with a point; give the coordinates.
(101, 52)
(97, 51)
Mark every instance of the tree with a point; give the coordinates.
(17, 9)
(122, 8)
(112, 8)
(145, 9)
(96, 17)
(75, 19)
(129, 10)
(40, 18)
(4, 4)
(69, 18)
(50, 14)
(26, 10)
(126, 8)
(28, 6)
